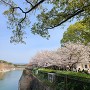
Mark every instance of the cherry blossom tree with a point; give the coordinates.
(74, 53)
(69, 56)
(46, 58)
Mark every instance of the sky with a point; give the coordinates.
(22, 53)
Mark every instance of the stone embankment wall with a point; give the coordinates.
(6, 67)
(51, 80)
(29, 82)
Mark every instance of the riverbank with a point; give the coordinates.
(7, 70)
(7, 66)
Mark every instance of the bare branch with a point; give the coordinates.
(35, 6)
(29, 3)
(19, 9)
(6, 3)
(19, 24)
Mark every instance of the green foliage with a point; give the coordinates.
(3, 61)
(46, 70)
(69, 73)
(52, 13)
(79, 32)
(73, 85)
(43, 76)
(66, 80)
(61, 11)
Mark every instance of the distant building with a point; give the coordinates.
(83, 66)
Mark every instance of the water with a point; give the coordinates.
(9, 80)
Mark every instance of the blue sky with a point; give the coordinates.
(21, 53)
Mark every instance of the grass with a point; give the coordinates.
(73, 80)
(69, 73)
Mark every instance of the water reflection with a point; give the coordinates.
(2, 74)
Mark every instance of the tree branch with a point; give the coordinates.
(35, 6)
(6, 3)
(29, 3)
(69, 17)
(19, 23)
(24, 12)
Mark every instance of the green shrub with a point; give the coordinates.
(65, 79)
